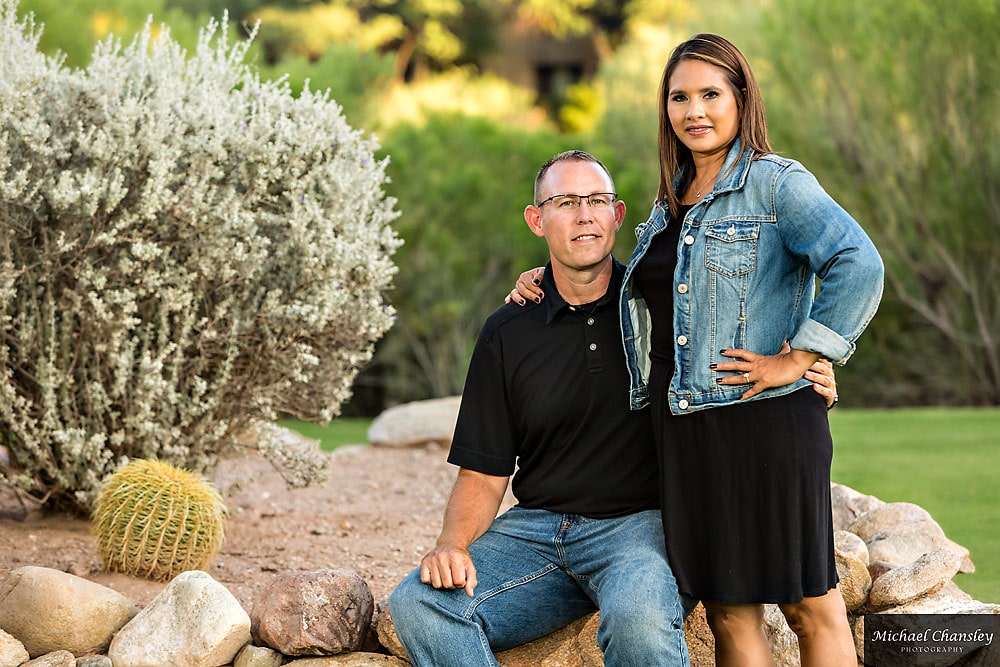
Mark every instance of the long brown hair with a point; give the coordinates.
(674, 155)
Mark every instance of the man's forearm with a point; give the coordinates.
(472, 506)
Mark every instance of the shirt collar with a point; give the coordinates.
(555, 304)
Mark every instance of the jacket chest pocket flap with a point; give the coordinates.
(731, 247)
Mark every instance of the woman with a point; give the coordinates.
(720, 322)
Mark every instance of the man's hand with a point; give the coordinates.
(449, 567)
(471, 508)
(824, 382)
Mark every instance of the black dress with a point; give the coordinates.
(746, 487)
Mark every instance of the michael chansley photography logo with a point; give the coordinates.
(932, 640)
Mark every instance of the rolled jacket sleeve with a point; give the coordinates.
(818, 230)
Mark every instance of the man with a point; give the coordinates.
(547, 390)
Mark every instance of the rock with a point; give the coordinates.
(193, 622)
(352, 660)
(909, 582)
(257, 656)
(48, 610)
(857, 623)
(849, 504)
(94, 661)
(53, 659)
(387, 632)
(325, 612)
(879, 567)
(906, 542)
(572, 646)
(12, 651)
(943, 604)
(416, 423)
(851, 556)
(700, 641)
(855, 582)
(784, 642)
(851, 546)
(886, 516)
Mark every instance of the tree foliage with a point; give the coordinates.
(184, 249)
(462, 183)
(897, 106)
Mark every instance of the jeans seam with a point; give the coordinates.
(478, 600)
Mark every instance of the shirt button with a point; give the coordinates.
(731, 231)
(682, 340)
(682, 404)
(593, 346)
(590, 321)
(688, 240)
(682, 288)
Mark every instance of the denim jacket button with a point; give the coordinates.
(682, 288)
(682, 404)
(682, 340)
(688, 240)
(731, 231)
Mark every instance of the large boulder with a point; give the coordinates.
(325, 612)
(194, 622)
(417, 423)
(49, 610)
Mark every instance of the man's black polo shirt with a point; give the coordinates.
(547, 390)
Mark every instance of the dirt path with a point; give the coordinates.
(378, 512)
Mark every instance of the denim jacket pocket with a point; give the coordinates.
(731, 247)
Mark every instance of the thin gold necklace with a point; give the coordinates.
(697, 194)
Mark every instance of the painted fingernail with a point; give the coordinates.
(718, 380)
(722, 351)
(521, 301)
(535, 281)
(538, 299)
(713, 366)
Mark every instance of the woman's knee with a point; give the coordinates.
(734, 620)
(815, 615)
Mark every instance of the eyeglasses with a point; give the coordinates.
(598, 201)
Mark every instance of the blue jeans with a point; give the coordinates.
(539, 571)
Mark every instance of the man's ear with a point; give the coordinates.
(619, 214)
(533, 216)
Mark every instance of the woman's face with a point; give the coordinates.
(702, 107)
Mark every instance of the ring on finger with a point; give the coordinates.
(746, 377)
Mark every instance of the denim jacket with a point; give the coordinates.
(747, 262)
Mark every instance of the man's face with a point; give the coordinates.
(579, 237)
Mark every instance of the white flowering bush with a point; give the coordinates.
(185, 249)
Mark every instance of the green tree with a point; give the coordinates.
(74, 28)
(462, 184)
(896, 107)
(608, 22)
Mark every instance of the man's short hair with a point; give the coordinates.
(567, 156)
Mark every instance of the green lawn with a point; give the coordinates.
(945, 460)
(336, 433)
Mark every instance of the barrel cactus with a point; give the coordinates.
(154, 520)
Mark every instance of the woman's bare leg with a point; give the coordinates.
(739, 635)
(825, 638)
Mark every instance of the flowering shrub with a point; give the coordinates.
(185, 249)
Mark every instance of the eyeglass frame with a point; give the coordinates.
(580, 198)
